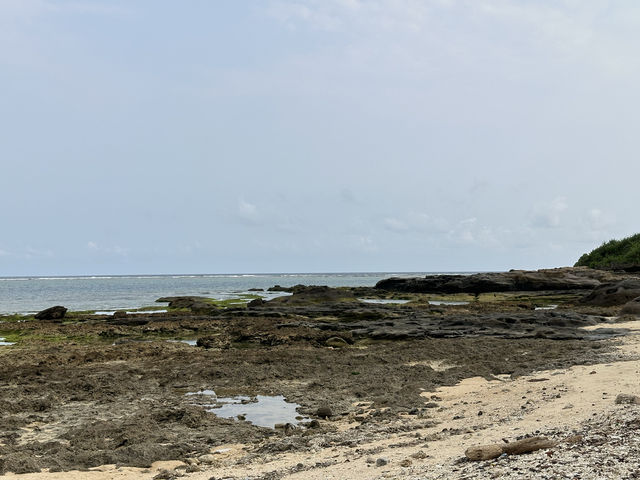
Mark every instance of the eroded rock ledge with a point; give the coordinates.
(556, 279)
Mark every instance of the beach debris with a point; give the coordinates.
(52, 313)
(627, 399)
(574, 439)
(526, 445)
(165, 474)
(483, 452)
(336, 342)
(208, 459)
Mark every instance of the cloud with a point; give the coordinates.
(419, 33)
(598, 222)
(548, 215)
(115, 250)
(248, 213)
(363, 243)
(27, 10)
(417, 222)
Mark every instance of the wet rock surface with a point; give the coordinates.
(580, 278)
(99, 390)
(617, 293)
(632, 307)
(53, 313)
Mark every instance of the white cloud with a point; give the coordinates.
(363, 243)
(248, 212)
(30, 253)
(419, 34)
(548, 215)
(116, 250)
(417, 222)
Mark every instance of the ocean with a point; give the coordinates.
(26, 295)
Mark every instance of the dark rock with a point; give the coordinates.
(309, 295)
(213, 342)
(381, 462)
(611, 294)
(324, 411)
(53, 313)
(256, 290)
(632, 307)
(512, 281)
(278, 288)
(627, 399)
(120, 314)
(183, 302)
(258, 302)
(165, 475)
(203, 308)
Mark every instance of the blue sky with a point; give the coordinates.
(315, 135)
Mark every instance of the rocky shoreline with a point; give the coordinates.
(82, 391)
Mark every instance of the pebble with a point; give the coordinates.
(607, 447)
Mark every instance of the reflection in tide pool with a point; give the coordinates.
(444, 302)
(262, 410)
(4, 344)
(135, 312)
(193, 343)
(383, 301)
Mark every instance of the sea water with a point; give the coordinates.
(108, 293)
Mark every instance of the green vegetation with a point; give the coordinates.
(15, 318)
(239, 301)
(612, 254)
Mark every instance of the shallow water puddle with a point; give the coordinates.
(4, 344)
(446, 302)
(262, 410)
(548, 307)
(383, 301)
(137, 312)
(188, 342)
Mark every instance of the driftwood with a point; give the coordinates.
(487, 452)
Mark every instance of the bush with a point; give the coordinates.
(613, 254)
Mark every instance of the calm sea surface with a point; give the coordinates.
(28, 295)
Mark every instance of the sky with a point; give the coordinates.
(156, 136)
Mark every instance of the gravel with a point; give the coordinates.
(606, 447)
